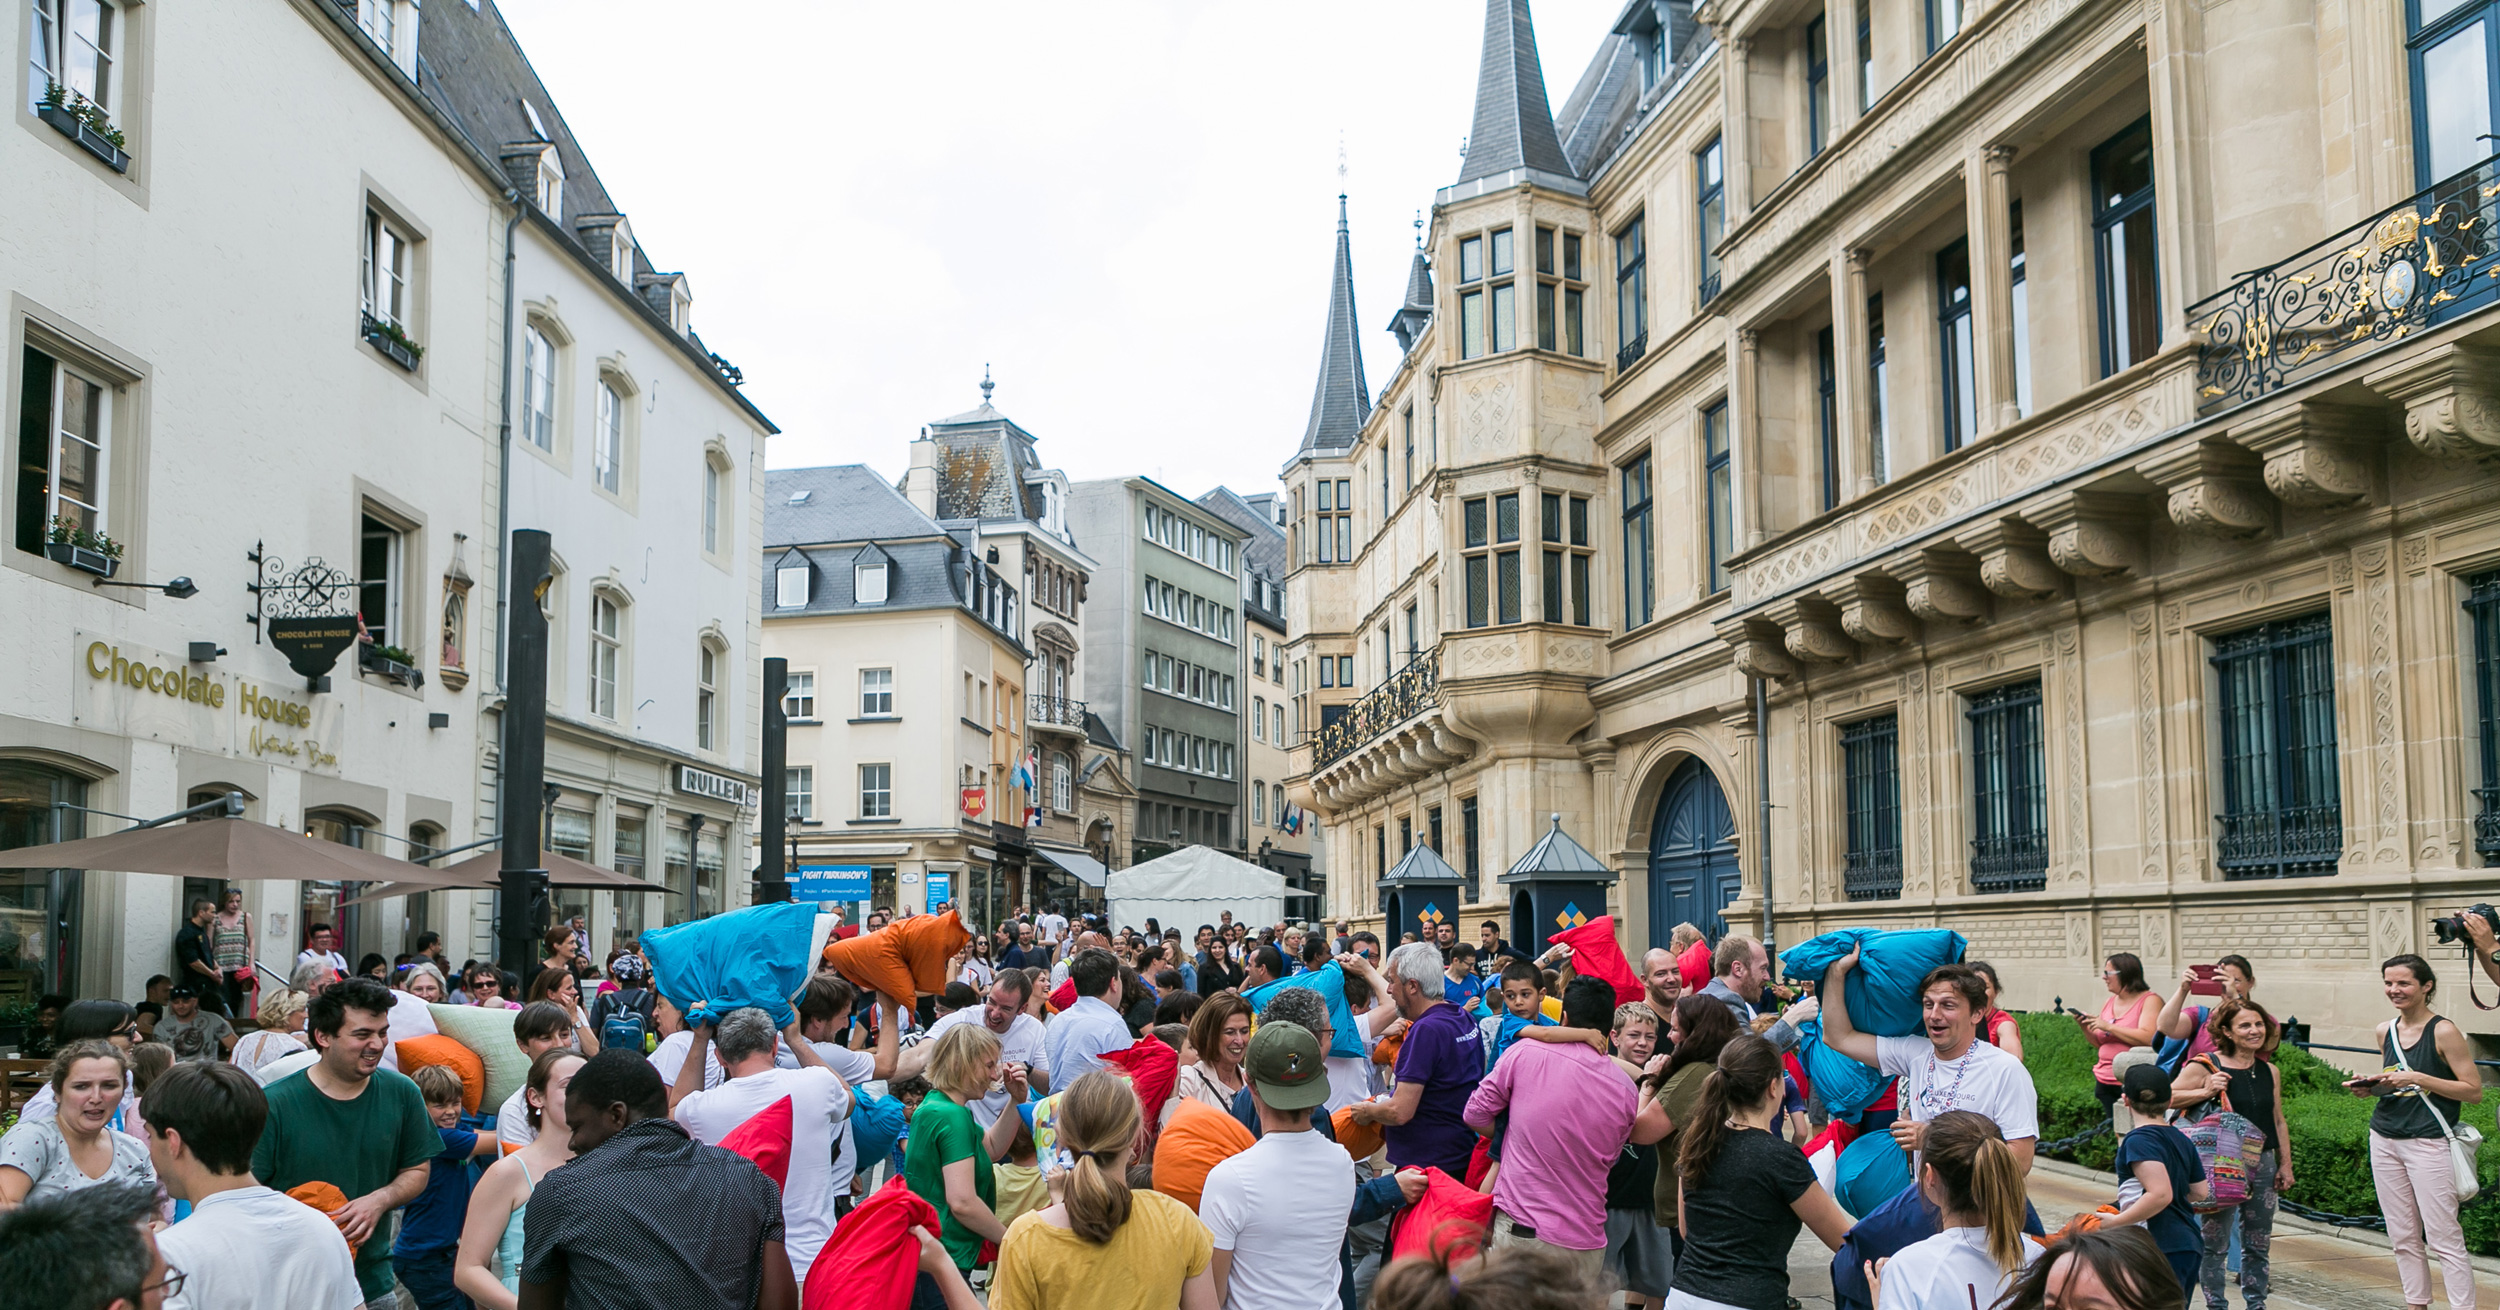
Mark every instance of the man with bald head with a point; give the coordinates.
(1088, 938)
(1664, 985)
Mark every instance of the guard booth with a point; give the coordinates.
(1419, 894)
(1556, 885)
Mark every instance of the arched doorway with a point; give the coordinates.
(1692, 854)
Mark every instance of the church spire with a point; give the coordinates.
(1514, 125)
(1342, 400)
(1416, 314)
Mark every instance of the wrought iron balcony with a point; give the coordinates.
(2487, 822)
(2016, 863)
(2297, 841)
(1873, 875)
(1632, 352)
(1408, 692)
(2422, 262)
(1057, 711)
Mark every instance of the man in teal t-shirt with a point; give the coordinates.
(348, 1122)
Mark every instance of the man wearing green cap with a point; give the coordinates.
(1278, 1210)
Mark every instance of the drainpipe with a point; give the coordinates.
(1762, 790)
(503, 470)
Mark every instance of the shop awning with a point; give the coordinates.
(486, 870)
(1085, 868)
(227, 850)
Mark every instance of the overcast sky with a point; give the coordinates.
(1126, 209)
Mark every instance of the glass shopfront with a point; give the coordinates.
(38, 907)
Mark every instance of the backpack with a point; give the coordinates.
(628, 1019)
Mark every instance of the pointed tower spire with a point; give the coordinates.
(1416, 313)
(1342, 399)
(1514, 125)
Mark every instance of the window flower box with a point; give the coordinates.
(98, 140)
(81, 558)
(391, 662)
(386, 336)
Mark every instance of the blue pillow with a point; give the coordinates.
(1883, 989)
(1874, 1169)
(755, 956)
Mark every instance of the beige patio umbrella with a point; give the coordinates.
(486, 870)
(230, 850)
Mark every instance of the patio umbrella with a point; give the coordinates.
(486, 870)
(230, 850)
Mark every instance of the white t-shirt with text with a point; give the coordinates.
(819, 1107)
(1280, 1208)
(1985, 1080)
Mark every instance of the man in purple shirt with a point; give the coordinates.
(1571, 1110)
(1438, 1068)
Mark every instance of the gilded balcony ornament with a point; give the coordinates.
(2214, 489)
(2315, 452)
(2013, 559)
(1408, 692)
(1941, 586)
(2092, 534)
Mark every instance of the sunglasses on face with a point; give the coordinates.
(485, 984)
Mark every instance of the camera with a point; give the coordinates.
(2451, 929)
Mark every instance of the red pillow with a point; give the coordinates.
(1596, 954)
(765, 1139)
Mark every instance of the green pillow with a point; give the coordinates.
(489, 1033)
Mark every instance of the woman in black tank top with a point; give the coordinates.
(2237, 1071)
(2429, 1071)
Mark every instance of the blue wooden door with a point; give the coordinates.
(1692, 854)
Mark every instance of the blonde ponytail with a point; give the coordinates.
(1099, 1119)
(1981, 1178)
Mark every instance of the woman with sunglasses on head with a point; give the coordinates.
(2125, 1022)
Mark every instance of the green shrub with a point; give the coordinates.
(2330, 1126)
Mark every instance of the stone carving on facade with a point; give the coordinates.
(1940, 586)
(1759, 651)
(2215, 489)
(2013, 559)
(2451, 399)
(2148, 712)
(1872, 609)
(2092, 534)
(2315, 453)
(1811, 628)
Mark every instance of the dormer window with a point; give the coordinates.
(550, 188)
(621, 253)
(790, 583)
(868, 582)
(680, 307)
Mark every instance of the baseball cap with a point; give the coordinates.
(1284, 1063)
(182, 990)
(2147, 1080)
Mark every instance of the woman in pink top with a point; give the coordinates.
(2126, 1020)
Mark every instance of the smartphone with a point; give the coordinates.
(2207, 982)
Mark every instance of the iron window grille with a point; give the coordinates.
(2009, 794)
(2283, 813)
(1870, 752)
(2482, 606)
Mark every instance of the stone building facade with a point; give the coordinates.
(2020, 467)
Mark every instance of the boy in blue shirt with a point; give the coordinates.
(1464, 987)
(2161, 1160)
(429, 1228)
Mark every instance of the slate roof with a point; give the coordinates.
(1556, 855)
(983, 459)
(1514, 125)
(1416, 314)
(1598, 109)
(919, 575)
(1342, 400)
(844, 503)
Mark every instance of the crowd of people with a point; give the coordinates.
(1275, 1118)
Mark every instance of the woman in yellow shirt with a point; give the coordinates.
(1102, 1246)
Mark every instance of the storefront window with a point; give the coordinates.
(629, 907)
(677, 870)
(568, 833)
(38, 907)
(707, 874)
(322, 899)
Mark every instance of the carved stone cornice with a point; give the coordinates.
(1810, 627)
(2092, 534)
(2013, 559)
(1758, 649)
(2215, 489)
(1941, 586)
(2317, 454)
(2451, 398)
(1871, 608)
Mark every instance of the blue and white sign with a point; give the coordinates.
(830, 882)
(941, 889)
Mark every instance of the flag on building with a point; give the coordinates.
(1024, 771)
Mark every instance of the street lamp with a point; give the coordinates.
(178, 589)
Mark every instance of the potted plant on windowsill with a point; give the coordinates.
(85, 122)
(387, 337)
(65, 542)
(391, 662)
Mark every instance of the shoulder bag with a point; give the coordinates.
(2228, 1144)
(2463, 1140)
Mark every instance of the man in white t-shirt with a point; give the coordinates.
(1948, 1068)
(824, 1016)
(1054, 926)
(1278, 1211)
(244, 1245)
(322, 948)
(820, 1105)
(1019, 1040)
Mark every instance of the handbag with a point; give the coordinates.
(2229, 1145)
(2463, 1140)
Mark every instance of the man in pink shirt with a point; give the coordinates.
(1571, 1109)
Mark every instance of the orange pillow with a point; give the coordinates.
(325, 1197)
(417, 1052)
(1360, 1140)
(906, 959)
(1198, 1139)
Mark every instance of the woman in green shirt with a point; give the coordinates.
(1700, 1028)
(947, 1160)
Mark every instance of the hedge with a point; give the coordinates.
(2329, 1126)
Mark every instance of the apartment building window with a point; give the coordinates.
(1827, 414)
(1631, 294)
(2482, 609)
(1414, 646)
(1710, 199)
(713, 477)
(1467, 836)
(1878, 395)
(798, 700)
(1062, 782)
(1818, 86)
(1871, 770)
(386, 269)
(1336, 520)
(538, 402)
(2009, 793)
(1470, 297)
(1944, 22)
(800, 782)
(869, 582)
(790, 586)
(1961, 388)
(876, 791)
(1278, 727)
(1639, 546)
(1384, 481)
(2454, 49)
(1258, 802)
(2123, 242)
(1866, 55)
(1719, 479)
(1407, 420)
(1492, 573)
(75, 44)
(607, 653)
(2022, 314)
(2282, 805)
(607, 441)
(706, 696)
(64, 449)
(1258, 718)
(1563, 523)
(380, 572)
(1560, 293)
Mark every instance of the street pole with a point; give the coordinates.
(521, 797)
(771, 875)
